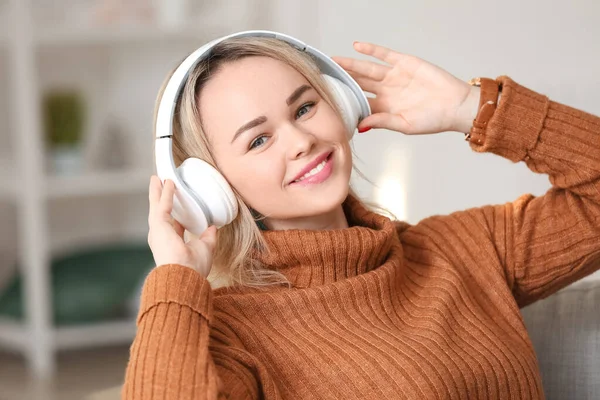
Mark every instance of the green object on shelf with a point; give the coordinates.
(88, 285)
(63, 117)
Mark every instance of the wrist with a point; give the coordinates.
(467, 110)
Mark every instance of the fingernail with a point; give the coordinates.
(363, 130)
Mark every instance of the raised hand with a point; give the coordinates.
(165, 234)
(412, 96)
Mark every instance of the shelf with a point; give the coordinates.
(99, 334)
(82, 185)
(14, 335)
(53, 37)
(97, 183)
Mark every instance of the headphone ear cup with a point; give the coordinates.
(346, 101)
(210, 189)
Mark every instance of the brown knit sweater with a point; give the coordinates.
(387, 310)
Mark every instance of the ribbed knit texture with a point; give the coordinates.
(388, 310)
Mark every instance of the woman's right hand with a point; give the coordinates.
(165, 235)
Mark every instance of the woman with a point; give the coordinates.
(329, 299)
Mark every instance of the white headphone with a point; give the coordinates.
(203, 196)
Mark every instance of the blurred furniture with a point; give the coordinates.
(565, 332)
(121, 67)
(89, 286)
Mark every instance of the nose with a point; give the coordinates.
(299, 142)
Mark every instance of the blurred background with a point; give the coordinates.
(78, 80)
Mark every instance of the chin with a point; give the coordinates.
(322, 199)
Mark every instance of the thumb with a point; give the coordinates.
(385, 121)
(209, 237)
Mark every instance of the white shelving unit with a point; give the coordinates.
(82, 185)
(25, 182)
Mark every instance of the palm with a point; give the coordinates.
(411, 95)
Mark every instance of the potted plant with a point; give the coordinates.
(64, 115)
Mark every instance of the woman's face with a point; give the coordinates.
(277, 142)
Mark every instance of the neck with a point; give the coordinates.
(335, 219)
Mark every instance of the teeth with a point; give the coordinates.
(313, 171)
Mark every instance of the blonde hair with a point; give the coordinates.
(234, 263)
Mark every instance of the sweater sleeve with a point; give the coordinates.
(542, 243)
(170, 357)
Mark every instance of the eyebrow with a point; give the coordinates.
(297, 93)
(249, 125)
(262, 119)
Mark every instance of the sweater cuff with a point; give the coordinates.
(173, 283)
(515, 127)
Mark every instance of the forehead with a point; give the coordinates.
(246, 89)
(253, 73)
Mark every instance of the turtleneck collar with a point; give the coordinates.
(316, 257)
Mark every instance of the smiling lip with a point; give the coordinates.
(319, 177)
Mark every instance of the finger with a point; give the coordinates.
(393, 122)
(154, 190)
(381, 53)
(209, 237)
(166, 197)
(375, 105)
(178, 228)
(368, 69)
(366, 84)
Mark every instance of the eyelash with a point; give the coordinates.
(305, 105)
(308, 104)
(255, 140)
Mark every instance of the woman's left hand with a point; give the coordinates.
(412, 96)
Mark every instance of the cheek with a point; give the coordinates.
(254, 178)
(332, 129)
(246, 174)
(330, 124)
(336, 132)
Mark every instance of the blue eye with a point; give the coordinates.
(258, 142)
(304, 109)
